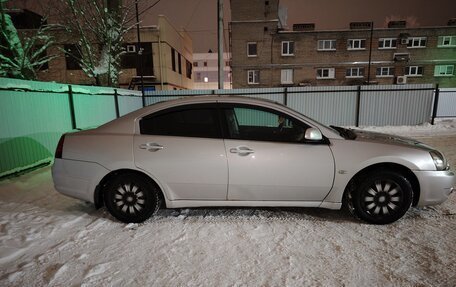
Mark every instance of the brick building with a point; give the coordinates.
(265, 55)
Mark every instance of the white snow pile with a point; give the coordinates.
(47, 239)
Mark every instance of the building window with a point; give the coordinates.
(173, 59)
(417, 42)
(356, 44)
(188, 70)
(446, 41)
(443, 70)
(205, 64)
(179, 63)
(72, 57)
(286, 76)
(387, 43)
(251, 49)
(414, 71)
(325, 73)
(385, 72)
(287, 48)
(253, 77)
(357, 72)
(326, 45)
(195, 64)
(198, 77)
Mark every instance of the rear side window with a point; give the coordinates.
(184, 122)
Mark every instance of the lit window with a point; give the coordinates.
(251, 49)
(417, 42)
(356, 44)
(357, 72)
(387, 43)
(385, 72)
(287, 48)
(414, 71)
(443, 70)
(326, 45)
(446, 41)
(325, 73)
(253, 77)
(286, 76)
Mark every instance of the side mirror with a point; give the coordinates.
(313, 134)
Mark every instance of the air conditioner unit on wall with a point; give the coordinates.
(131, 48)
(401, 80)
(404, 41)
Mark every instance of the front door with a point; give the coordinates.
(269, 159)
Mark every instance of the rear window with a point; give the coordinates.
(185, 122)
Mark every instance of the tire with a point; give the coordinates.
(131, 198)
(381, 197)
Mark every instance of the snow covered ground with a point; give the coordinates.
(47, 239)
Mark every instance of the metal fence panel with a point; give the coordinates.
(328, 105)
(447, 103)
(395, 105)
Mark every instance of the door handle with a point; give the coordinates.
(241, 150)
(151, 146)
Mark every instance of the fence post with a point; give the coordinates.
(285, 96)
(358, 101)
(116, 103)
(436, 103)
(71, 103)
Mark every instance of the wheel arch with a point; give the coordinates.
(99, 194)
(405, 171)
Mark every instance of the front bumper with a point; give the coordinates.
(435, 186)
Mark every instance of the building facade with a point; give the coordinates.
(263, 55)
(164, 57)
(205, 71)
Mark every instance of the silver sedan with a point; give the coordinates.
(238, 151)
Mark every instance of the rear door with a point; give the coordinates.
(183, 149)
(269, 159)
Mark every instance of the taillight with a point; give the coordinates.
(59, 149)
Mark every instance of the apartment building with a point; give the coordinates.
(205, 71)
(164, 58)
(265, 55)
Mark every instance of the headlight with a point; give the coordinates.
(439, 160)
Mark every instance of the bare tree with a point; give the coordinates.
(99, 27)
(22, 58)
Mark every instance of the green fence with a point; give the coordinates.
(33, 116)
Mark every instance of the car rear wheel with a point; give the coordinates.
(131, 198)
(381, 197)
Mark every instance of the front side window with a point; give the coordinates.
(252, 49)
(446, 41)
(357, 72)
(326, 45)
(325, 73)
(258, 124)
(414, 71)
(191, 121)
(253, 77)
(287, 48)
(387, 43)
(356, 44)
(385, 71)
(286, 76)
(443, 70)
(417, 42)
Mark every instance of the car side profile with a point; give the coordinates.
(238, 151)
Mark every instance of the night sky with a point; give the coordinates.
(200, 16)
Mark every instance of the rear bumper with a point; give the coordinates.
(435, 186)
(77, 179)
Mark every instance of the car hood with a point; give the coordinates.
(389, 139)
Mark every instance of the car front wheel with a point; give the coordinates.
(381, 197)
(131, 198)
